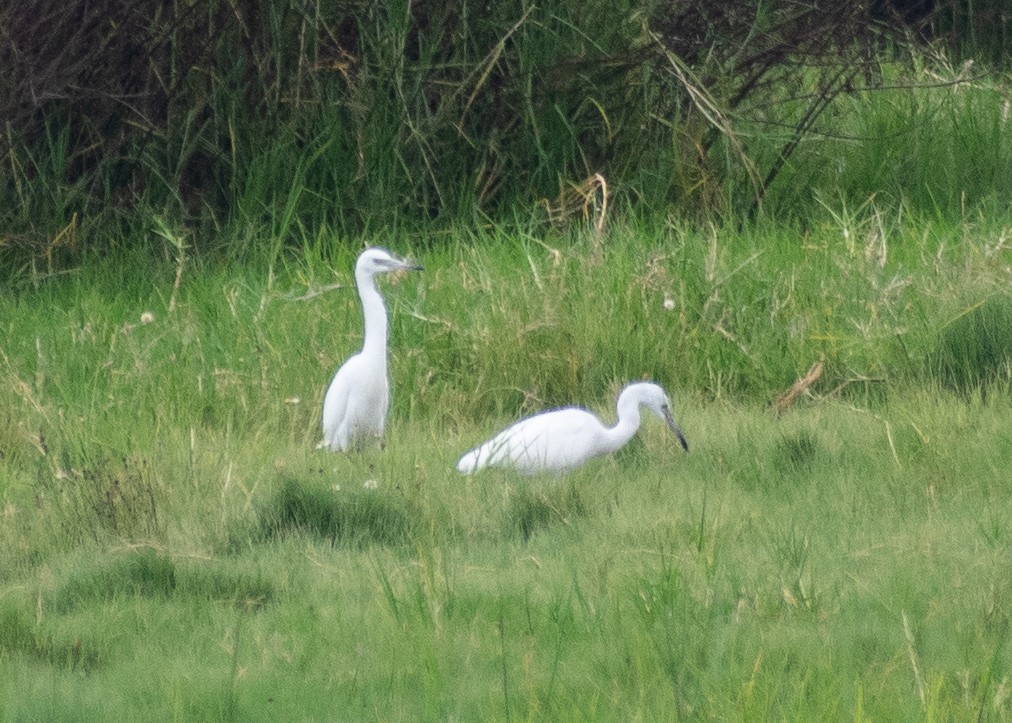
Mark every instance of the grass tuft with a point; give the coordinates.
(19, 636)
(354, 517)
(797, 451)
(531, 510)
(220, 582)
(104, 496)
(148, 573)
(975, 350)
(138, 573)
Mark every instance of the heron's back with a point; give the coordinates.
(554, 441)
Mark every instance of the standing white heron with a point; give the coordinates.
(355, 408)
(563, 439)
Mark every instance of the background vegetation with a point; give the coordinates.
(251, 123)
(796, 220)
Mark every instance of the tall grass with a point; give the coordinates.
(503, 321)
(310, 117)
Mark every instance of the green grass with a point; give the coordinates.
(175, 547)
(975, 349)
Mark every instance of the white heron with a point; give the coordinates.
(563, 439)
(355, 408)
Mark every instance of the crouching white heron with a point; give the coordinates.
(563, 439)
(355, 408)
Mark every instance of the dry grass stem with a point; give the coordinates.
(800, 386)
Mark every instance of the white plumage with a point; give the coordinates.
(561, 440)
(355, 408)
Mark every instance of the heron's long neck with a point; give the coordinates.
(627, 425)
(375, 313)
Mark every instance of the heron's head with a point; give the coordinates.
(654, 398)
(374, 261)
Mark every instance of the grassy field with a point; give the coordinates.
(175, 547)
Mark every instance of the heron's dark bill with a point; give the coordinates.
(674, 428)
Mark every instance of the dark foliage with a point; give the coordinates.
(979, 29)
(220, 111)
(750, 57)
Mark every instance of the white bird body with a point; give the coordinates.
(356, 403)
(563, 439)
